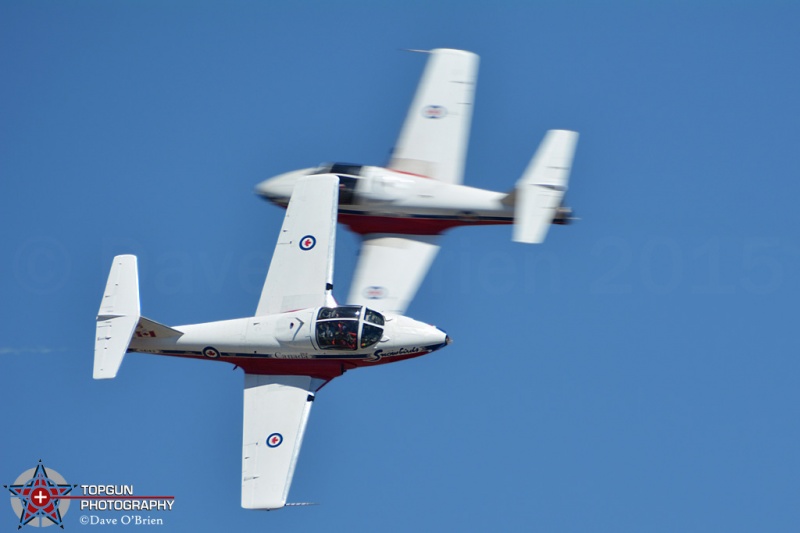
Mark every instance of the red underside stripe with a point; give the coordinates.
(317, 368)
(366, 224)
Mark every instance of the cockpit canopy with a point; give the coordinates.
(338, 327)
(340, 168)
(347, 181)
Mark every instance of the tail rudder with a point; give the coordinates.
(117, 318)
(540, 190)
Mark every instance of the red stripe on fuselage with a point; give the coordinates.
(326, 369)
(409, 173)
(366, 224)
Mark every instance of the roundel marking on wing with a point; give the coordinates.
(375, 292)
(434, 111)
(308, 242)
(274, 440)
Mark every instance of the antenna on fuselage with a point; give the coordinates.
(300, 504)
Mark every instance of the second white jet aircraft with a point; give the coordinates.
(402, 209)
(298, 339)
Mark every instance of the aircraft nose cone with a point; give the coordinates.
(274, 190)
(409, 332)
(279, 188)
(433, 338)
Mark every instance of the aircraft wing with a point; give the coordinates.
(433, 140)
(390, 270)
(276, 410)
(301, 271)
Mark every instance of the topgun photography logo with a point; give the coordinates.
(41, 498)
(37, 497)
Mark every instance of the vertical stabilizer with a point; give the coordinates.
(117, 318)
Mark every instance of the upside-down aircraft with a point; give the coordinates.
(401, 210)
(298, 339)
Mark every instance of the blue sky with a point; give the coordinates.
(636, 372)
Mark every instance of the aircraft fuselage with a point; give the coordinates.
(382, 200)
(321, 342)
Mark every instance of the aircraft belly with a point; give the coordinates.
(419, 221)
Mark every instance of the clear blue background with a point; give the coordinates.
(636, 372)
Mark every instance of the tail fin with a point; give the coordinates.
(541, 188)
(117, 318)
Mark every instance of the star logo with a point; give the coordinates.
(36, 496)
(307, 242)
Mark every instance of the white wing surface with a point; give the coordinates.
(390, 270)
(434, 137)
(301, 271)
(276, 410)
(541, 188)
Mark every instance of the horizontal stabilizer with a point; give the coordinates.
(150, 328)
(117, 318)
(541, 189)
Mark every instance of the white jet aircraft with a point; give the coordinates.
(298, 340)
(401, 210)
